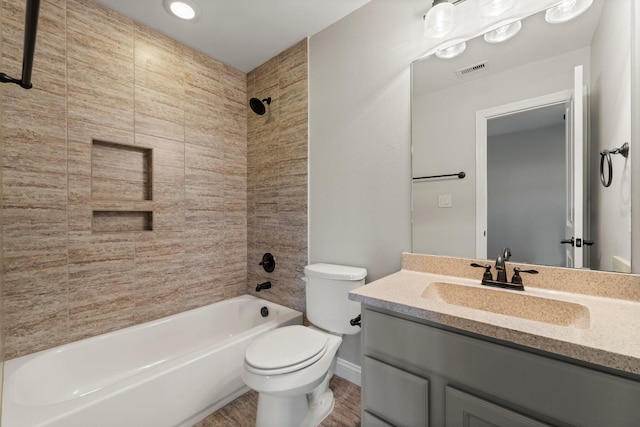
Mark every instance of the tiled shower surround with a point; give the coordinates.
(277, 176)
(78, 255)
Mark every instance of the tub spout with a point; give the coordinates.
(261, 286)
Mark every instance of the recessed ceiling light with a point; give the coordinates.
(182, 9)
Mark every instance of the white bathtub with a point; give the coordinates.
(169, 372)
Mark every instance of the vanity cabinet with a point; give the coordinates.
(463, 409)
(418, 374)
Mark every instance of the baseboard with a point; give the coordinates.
(349, 371)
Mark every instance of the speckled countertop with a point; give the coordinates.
(606, 332)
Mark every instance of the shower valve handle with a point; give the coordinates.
(268, 262)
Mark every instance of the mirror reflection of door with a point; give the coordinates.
(527, 191)
(534, 177)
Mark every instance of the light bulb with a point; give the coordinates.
(440, 20)
(491, 8)
(451, 52)
(503, 33)
(567, 10)
(566, 5)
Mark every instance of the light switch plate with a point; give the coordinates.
(444, 201)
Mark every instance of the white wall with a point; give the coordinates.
(444, 141)
(611, 127)
(359, 140)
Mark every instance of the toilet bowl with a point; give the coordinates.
(284, 380)
(291, 367)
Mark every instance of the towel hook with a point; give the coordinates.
(606, 154)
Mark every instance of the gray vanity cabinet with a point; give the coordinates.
(465, 410)
(397, 396)
(415, 373)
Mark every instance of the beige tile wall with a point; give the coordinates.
(277, 175)
(1, 245)
(98, 75)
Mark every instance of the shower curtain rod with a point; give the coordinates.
(30, 30)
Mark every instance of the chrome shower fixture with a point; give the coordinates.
(258, 106)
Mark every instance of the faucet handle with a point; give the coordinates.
(516, 279)
(487, 270)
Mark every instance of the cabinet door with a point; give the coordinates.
(369, 420)
(465, 410)
(394, 395)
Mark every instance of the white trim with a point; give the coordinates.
(482, 116)
(578, 180)
(349, 371)
(635, 137)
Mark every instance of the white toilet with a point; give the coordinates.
(290, 367)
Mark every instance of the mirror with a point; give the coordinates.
(450, 100)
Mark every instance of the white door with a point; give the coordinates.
(574, 238)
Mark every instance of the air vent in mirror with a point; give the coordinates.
(472, 69)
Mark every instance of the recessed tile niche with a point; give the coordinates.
(121, 187)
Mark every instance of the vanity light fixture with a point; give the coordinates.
(452, 52)
(440, 19)
(183, 9)
(496, 20)
(567, 10)
(491, 8)
(503, 33)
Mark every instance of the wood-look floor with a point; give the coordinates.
(242, 411)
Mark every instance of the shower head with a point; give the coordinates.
(258, 106)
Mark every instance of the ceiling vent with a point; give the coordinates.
(472, 69)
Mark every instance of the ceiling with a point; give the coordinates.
(240, 33)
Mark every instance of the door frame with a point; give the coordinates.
(482, 117)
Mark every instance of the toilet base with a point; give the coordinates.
(307, 410)
(281, 411)
(319, 410)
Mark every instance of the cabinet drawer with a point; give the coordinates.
(396, 339)
(465, 410)
(396, 396)
(369, 420)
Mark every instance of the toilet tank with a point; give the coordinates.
(327, 296)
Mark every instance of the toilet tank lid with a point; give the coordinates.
(336, 272)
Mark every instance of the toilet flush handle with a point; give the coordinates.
(356, 321)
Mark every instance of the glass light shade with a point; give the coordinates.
(504, 33)
(440, 20)
(182, 10)
(491, 8)
(452, 52)
(567, 10)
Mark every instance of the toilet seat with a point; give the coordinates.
(285, 350)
